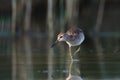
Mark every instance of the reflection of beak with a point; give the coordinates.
(54, 43)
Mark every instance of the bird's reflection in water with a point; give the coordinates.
(73, 72)
(71, 77)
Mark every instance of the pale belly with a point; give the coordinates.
(77, 41)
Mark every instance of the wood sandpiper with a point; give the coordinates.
(73, 37)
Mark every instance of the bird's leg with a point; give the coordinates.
(70, 53)
(70, 68)
(78, 49)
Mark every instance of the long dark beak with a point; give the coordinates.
(54, 43)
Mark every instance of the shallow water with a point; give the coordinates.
(98, 59)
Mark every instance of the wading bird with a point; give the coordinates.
(73, 37)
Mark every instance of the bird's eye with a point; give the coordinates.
(60, 36)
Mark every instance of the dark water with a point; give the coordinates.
(98, 59)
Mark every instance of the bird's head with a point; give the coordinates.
(60, 37)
